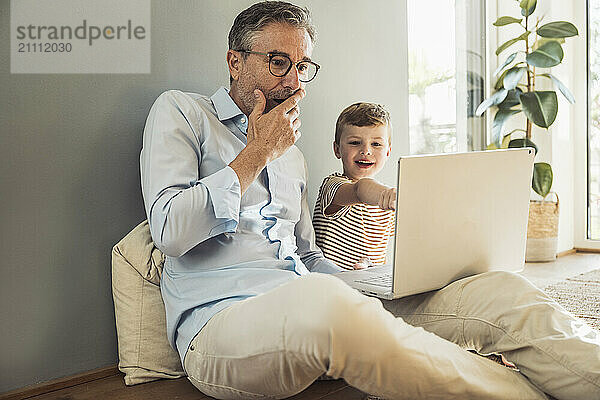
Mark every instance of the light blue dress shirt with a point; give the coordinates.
(220, 247)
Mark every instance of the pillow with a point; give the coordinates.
(144, 351)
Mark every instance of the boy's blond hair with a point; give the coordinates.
(363, 114)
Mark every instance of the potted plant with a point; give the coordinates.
(515, 93)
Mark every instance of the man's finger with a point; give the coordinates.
(292, 101)
(294, 112)
(259, 105)
(295, 109)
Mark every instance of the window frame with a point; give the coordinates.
(581, 126)
(470, 132)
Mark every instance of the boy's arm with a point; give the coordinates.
(367, 191)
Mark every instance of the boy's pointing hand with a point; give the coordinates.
(387, 199)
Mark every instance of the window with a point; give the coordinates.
(593, 195)
(446, 75)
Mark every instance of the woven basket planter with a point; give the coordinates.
(542, 231)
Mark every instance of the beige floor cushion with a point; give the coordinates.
(144, 351)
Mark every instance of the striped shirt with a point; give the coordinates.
(353, 232)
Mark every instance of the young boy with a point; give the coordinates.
(353, 216)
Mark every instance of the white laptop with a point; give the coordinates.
(457, 215)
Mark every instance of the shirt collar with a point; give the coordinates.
(224, 105)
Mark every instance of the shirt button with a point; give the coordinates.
(243, 120)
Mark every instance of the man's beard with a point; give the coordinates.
(274, 97)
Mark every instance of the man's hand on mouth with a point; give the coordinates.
(281, 97)
(275, 131)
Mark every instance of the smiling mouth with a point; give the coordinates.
(364, 164)
(279, 101)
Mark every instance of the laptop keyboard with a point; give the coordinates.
(384, 280)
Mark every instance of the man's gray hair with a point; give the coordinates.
(253, 19)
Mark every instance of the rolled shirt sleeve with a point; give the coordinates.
(224, 191)
(183, 208)
(327, 192)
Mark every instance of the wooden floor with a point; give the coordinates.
(548, 273)
(113, 387)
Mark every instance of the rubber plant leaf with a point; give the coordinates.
(542, 178)
(493, 100)
(546, 56)
(558, 29)
(540, 107)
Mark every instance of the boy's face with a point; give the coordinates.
(363, 150)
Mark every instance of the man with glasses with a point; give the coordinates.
(225, 194)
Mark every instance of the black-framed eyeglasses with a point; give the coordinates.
(281, 64)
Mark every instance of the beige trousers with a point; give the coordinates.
(276, 344)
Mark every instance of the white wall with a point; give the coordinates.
(361, 48)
